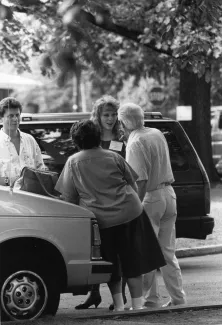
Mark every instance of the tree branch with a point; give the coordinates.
(108, 25)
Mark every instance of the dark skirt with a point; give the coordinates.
(133, 248)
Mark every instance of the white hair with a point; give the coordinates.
(131, 115)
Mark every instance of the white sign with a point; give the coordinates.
(184, 113)
(116, 145)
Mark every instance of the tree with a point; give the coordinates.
(182, 35)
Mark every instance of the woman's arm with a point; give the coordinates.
(135, 187)
(141, 189)
(65, 185)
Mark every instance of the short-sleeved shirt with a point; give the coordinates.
(100, 180)
(147, 153)
(11, 163)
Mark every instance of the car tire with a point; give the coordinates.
(27, 292)
(53, 297)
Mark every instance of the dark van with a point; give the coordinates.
(51, 131)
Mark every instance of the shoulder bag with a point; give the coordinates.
(38, 181)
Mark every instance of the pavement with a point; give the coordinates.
(199, 251)
(189, 310)
(127, 314)
(180, 253)
(210, 311)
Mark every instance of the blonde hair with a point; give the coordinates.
(131, 115)
(105, 101)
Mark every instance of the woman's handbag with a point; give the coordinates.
(38, 181)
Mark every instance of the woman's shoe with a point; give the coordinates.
(111, 307)
(93, 299)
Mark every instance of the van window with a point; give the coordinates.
(179, 161)
(55, 144)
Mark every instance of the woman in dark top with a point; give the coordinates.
(104, 115)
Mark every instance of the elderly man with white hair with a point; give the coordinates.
(147, 153)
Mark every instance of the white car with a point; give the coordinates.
(47, 247)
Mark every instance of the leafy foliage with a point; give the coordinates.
(116, 38)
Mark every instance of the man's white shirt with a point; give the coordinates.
(12, 163)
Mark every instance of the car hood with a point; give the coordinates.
(19, 203)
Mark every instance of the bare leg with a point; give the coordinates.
(116, 292)
(135, 286)
(111, 307)
(136, 292)
(124, 281)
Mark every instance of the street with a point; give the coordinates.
(202, 278)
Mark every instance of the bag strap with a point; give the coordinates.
(43, 186)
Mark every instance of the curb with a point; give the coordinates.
(137, 313)
(123, 315)
(199, 251)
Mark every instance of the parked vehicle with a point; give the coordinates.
(216, 134)
(47, 247)
(191, 181)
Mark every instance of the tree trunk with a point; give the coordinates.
(195, 92)
(77, 90)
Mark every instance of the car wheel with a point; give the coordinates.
(53, 297)
(27, 295)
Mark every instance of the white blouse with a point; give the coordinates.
(12, 163)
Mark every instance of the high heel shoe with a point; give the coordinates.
(111, 307)
(93, 299)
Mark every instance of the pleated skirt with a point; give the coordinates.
(132, 247)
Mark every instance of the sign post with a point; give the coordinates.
(157, 96)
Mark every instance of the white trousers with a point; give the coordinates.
(160, 206)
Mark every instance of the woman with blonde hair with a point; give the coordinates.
(104, 115)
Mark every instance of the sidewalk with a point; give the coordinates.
(199, 251)
(196, 313)
(208, 315)
(202, 294)
(205, 316)
(213, 307)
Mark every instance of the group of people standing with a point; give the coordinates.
(122, 173)
(132, 198)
